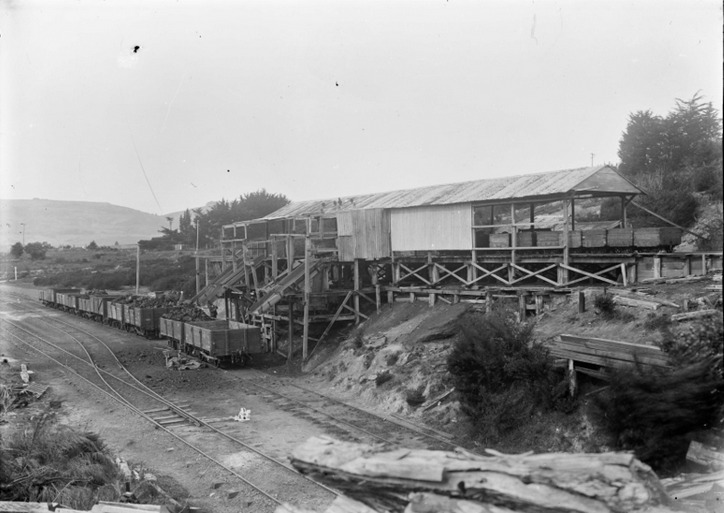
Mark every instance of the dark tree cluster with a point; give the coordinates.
(248, 206)
(676, 159)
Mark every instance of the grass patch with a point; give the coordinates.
(54, 463)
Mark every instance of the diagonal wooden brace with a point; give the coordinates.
(590, 275)
(487, 273)
(537, 274)
(414, 273)
(447, 273)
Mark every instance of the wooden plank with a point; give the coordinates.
(610, 344)
(694, 315)
(636, 303)
(571, 351)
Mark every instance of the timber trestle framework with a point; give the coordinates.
(315, 263)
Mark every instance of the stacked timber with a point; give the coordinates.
(423, 481)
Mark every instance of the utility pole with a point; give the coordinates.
(138, 267)
(198, 270)
(592, 155)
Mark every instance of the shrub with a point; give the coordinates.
(655, 322)
(650, 411)
(391, 359)
(501, 374)
(605, 304)
(414, 396)
(383, 378)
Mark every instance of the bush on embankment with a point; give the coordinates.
(502, 376)
(651, 411)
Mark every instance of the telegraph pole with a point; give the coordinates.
(138, 267)
(198, 270)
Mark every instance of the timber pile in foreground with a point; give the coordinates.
(422, 481)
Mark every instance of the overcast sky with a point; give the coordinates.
(166, 105)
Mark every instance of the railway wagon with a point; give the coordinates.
(222, 341)
(172, 330)
(95, 307)
(49, 297)
(114, 314)
(68, 301)
(143, 321)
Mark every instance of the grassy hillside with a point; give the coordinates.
(74, 223)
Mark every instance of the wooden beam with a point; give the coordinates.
(667, 221)
(307, 289)
(356, 289)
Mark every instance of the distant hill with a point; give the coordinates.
(76, 223)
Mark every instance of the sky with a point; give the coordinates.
(166, 105)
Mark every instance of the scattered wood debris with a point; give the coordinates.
(694, 315)
(425, 481)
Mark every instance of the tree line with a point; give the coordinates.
(253, 205)
(677, 160)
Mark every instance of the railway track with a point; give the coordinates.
(180, 418)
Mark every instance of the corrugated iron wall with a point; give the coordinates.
(432, 228)
(363, 234)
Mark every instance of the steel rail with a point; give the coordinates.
(151, 393)
(159, 398)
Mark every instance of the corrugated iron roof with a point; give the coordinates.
(513, 187)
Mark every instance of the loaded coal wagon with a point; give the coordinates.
(49, 297)
(222, 341)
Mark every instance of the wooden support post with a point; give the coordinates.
(538, 304)
(431, 299)
(633, 273)
(657, 267)
(390, 297)
(378, 297)
(456, 299)
(307, 289)
(703, 264)
(573, 213)
(532, 216)
(513, 243)
(275, 327)
(624, 276)
(521, 306)
(233, 255)
(572, 379)
(206, 272)
(581, 302)
(623, 211)
(687, 265)
(247, 282)
(290, 335)
(412, 297)
(290, 253)
(275, 259)
(356, 288)
(563, 272)
(473, 271)
(488, 301)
